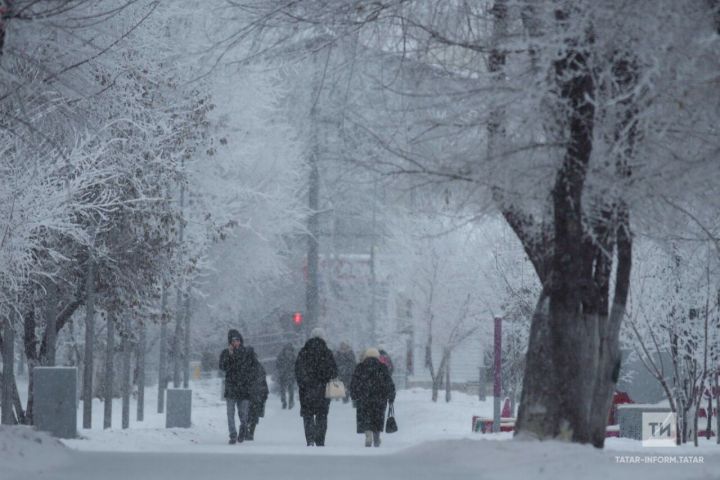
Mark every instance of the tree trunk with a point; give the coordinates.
(717, 407)
(11, 387)
(609, 355)
(186, 348)
(126, 357)
(51, 303)
(162, 368)
(435, 387)
(30, 342)
(178, 300)
(708, 427)
(109, 371)
(8, 375)
(21, 357)
(564, 361)
(141, 370)
(89, 361)
(538, 400)
(438, 377)
(177, 352)
(448, 394)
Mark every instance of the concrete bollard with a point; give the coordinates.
(55, 400)
(178, 408)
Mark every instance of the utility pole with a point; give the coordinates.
(373, 276)
(312, 293)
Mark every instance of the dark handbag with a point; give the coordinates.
(390, 423)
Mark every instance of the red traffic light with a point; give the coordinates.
(297, 318)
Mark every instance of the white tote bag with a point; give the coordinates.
(335, 389)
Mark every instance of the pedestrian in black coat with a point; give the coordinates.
(258, 396)
(240, 368)
(345, 360)
(314, 368)
(285, 374)
(372, 389)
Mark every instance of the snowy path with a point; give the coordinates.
(434, 442)
(200, 466)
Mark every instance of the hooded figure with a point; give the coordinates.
(372, 389)
(314, 368)
(240, 368)
(285, 371)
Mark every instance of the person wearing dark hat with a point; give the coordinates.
(240, 367)
(314, 368)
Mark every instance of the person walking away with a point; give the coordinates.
(239, 368)
(314, 368)
(345, 360)
(285, 370)
(372, 389)
(258, 396)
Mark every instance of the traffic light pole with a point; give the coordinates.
(313, 253)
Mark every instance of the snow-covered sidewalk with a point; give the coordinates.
(434, 441)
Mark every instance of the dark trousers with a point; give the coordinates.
(315, 429)
(289, 389)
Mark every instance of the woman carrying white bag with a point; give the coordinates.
(314, 368)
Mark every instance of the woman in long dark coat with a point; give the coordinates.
(314, 368)
(371, 388)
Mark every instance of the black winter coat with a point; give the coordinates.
(259, 393)
(240, 369)
(371, 388)
(314, 368)
(285, 365)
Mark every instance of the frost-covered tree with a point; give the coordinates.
(672, 326)
(562, 117)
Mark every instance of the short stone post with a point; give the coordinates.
(55, 400)
(178, 408)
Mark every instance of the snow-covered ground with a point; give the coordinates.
(434, 441)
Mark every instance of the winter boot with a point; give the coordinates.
(376, 439)
(368, 438)
(250, 435)
(232, 441)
